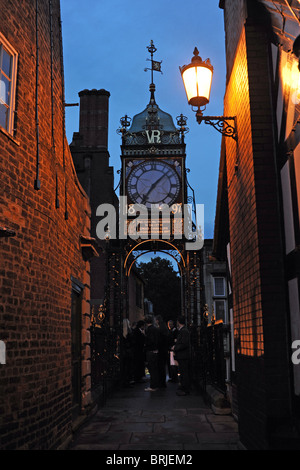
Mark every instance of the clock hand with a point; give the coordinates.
(153, 185)
(144, 198)
(144, 181)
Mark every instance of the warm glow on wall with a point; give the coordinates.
(295, 83)
(290, 77)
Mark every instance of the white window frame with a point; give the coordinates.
(10, 50)
(224, 289)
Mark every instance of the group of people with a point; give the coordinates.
(163, 348)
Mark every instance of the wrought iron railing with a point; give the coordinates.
(216, 366)
(105, 358)
(208, 357)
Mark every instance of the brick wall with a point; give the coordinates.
(235, 13)
(38, 262)
(255, 237)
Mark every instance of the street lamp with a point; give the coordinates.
(197, 78)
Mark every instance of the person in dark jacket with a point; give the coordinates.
(127, 354)
(138, 351)
(151, 349)
(163, 347)
(172, 364)
(182, 350)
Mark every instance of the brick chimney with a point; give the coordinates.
(93, 118)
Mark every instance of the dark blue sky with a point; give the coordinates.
(105, 46)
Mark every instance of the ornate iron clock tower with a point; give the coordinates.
(153, 180)
(153, 159)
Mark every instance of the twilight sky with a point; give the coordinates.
(105, 46)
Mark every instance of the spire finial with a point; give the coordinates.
(155, 66)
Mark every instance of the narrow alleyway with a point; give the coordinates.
(134, 419)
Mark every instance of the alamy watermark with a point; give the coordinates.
(2, 352)
(296, 354)
(137, 221)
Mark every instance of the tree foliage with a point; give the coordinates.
(162, 287)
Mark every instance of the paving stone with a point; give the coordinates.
(147, 417)
(133, 419)
(112, 416)
(220, 418)
(104, 439)
(207, 446)
(96, 428)
(175, 413)
(151, 447)
(225, 427)
(198, 418)
(227, 437)
(204, 410)
(163, 438)
(182, 426)
(96, 447)
(131, 427)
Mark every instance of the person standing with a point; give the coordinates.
(151, 349)
(172, 364)
(163, 346)
(138, 351)
(127, 354)
(182, 350)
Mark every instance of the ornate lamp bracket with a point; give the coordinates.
(225, 125)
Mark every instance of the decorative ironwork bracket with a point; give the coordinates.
(220, 123)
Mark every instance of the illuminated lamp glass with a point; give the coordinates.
(197, 78)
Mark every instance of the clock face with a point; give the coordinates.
(153, 182)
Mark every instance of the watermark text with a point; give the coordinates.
(2, 352)
(296, 354)
(137, 221)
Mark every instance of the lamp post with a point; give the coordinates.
(197, 79)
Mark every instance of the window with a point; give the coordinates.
(220, 310)
(219, 286)
(8, 73)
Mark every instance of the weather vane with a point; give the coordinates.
(155, 64)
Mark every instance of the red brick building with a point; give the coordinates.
(45, 240)
(257, 220)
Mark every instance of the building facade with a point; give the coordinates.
(136, 307)
(113, 295)
(45, 239)
(214, 280)
(257, 220)
(89, 149)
